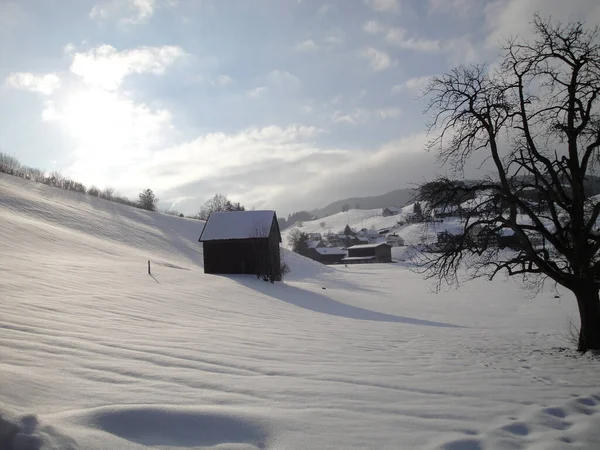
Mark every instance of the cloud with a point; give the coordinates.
(105, 67)
(278, 167)
(361, 116)
(335, 37)
(416, 84)
(453, 7)
(399, 37)
(307, 45)
(43, 84)
(384, 5)
(127, 11)
(513, 17)
(222, 80)
(332, 39)
(256, 92)
(324, 10)
(378, 60)
(283, 78)
(111, 132)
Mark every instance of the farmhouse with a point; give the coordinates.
(393, 240)
(369, 253)
(391, 211)
(242, 242)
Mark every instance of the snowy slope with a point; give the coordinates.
(95, 354)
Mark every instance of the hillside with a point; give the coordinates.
(357, 219)
(98, 355)
(399, 197)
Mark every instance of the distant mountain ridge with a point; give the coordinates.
(398, 198)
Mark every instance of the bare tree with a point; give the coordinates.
(537, 120)
(219, 203)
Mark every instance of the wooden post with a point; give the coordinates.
(149, 268)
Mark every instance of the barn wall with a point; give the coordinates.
(383, 254)
(247, 256)
(274, 256)
(354, 252)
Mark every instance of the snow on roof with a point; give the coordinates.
(358, 258)
(313, 244)
(330, 251)
(367, 245)
(237, 225)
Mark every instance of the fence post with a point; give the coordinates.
(149, 268)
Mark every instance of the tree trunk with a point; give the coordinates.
(589, 313)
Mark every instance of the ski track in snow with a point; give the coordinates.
(95, 354)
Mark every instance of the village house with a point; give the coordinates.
(369, 253)
(391, 211)
(242, 242)
(393, 240)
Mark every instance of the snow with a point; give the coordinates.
(96, 354)
(330, 251)
(355, 247)
(238, 225)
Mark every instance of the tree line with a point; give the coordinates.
(11, 166)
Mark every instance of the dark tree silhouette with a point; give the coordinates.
(537, 119)
(148, 200)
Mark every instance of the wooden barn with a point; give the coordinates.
(370, 253)
(326, 255)
(242, 242)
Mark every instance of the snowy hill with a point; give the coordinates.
(98, 355)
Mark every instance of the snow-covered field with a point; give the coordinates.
(97, 354)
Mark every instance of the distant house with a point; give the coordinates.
(315, 236)
(391, 211)
(315, 244)
(324, 255)
(393, 240)
(369, 253)
(242, 242)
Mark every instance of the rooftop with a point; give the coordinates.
(237, 225)
(367, 246)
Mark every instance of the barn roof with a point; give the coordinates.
(368, 246)
(330, 251)
(222, 226)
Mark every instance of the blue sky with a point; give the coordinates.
(283, 104)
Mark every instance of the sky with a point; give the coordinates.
(279, 104)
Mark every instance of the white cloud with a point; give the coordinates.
(307, 45)
(256, 92)
(361, 116)
(324, 10)
(332, 39)
(126, 11)
(283, 78)
(374, 27)
(110, 131)
(384, 5)
(43, 84)
(415, 85)
(399, 37)
(222, 80)
(106, 67)
(335, 37)
(378, 60)
(453, 7)
(513, 17)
